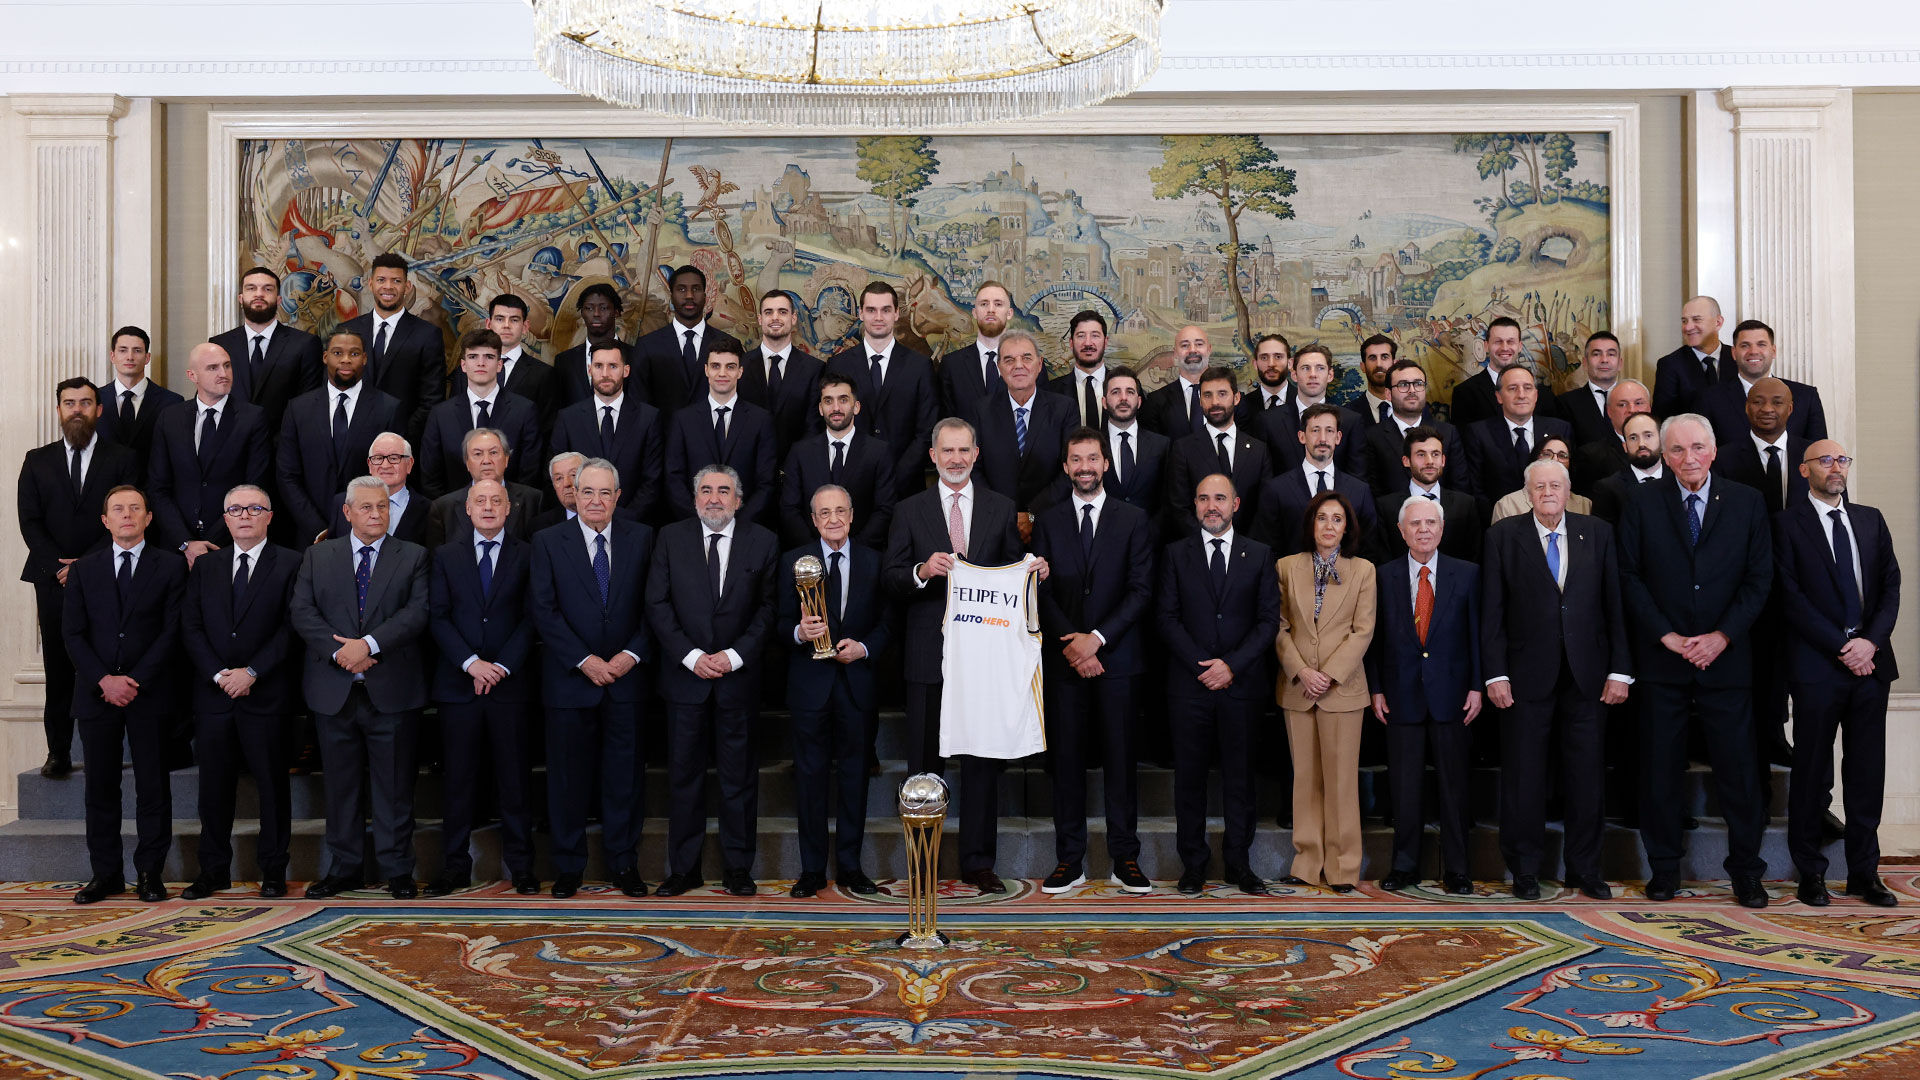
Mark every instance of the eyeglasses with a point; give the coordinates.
(387, 459)
(245, 511)
(1554, 455)
(1828, 461)
(1410, 384)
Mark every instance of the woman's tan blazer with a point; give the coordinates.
(1336, 643)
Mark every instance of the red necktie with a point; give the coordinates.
(1423, 605)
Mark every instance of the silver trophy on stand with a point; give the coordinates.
(923, 806)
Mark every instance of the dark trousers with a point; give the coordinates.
(979, 789)
(143, 726)
(49, 599)
(1410, 748)
(474, 735)
(602, 742)
(1857, 710)
(1526, 737)
(713, 735)
(367, 755)
(1726, 719)
(1207, 725)
(226, 743)
(836, 739)
(1769, 639)
(1079, 710)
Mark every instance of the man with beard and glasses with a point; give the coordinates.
(130, 402)
(1313, 377)
(326, 435)
(860, 464)
(406, 354)
(1382, 457)
(1640, 442)
(1136, 453)
(618, 427)
(780, 376)
(273, 362)
(60, 490)
(1273, 379)
(674, 357)
(1174, 410)
(895, 385)
(972, 372)
(1374, 402)
(1601, 458)
(1086, 383)
(598, 306)
(1221, 447)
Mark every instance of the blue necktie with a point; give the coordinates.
(1843, 569)
(1020, 430)
(602, 569)
(1693, 520)
(363, 574)
(486, 566)
(1553, 556)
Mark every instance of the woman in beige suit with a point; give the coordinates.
(1327, 607)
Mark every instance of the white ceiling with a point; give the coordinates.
(283, 48)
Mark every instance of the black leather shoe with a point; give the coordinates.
(676, 884)
(630, 882)
(1832, 827)
(738, 882)
(854, 881)
(1813, 892)
(1293, 881)
(1872, 891)
(150, 888)
(56, 768)
(203, 887)
(448, 884)
(1192, 882)
(526, 883)
(565, 885)
(985, 880)
(1246, 881)
(1690, 823)
(1127, 874)
(273, 888)
(1064, 877)
(402, 888)
(329, 887)
(1663, 885)
(809, 884)
(1526, 887)
(1592, 887)
(99, 889)
(1458, 884)
(1343, 889)
(1399, 879)
(1749, 892)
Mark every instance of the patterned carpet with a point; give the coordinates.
(1097, 983)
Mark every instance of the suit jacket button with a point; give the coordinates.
(1424, 656)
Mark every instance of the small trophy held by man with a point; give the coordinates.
(810, 581)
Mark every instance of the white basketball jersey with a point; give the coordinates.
(990, 704)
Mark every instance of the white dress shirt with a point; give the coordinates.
(1312, 473)
(1213, 436)
(734, 659)
(333, 399)
(264, 337)
(200, 411)
(391, 322)
(491, 397)
(589, 536)
(1533, 441)
(985, 346)
(86, 456)
(884, 352)
(1760, 447)
(1270, 398)
(1226, 548)
(1373, 403)
(601, 405)
(1642, 475)
(1113, 444)
(781, 356)
(1415, 491)
(947, 496)
(714, 405)
(137, 550)
(138, 389)
(507, 360)
(680, 335)
(1706, 499)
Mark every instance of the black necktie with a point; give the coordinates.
(79, 478)
(340, 431)
(486, 415)
(1089, 404)
(486, 567)
(1843, 569)
(1220, 450)
(1707, 371)
(380, 344)
(720, 426)
(258, 358)
(239, 580)
(1218, 565)
(990, 376)
(126, 578)
(1321, 487)
(606, 429)
(713, 565)
(689, 355)
(833, 587)
(1086, 531)
(1775, 479)
(1195, 414)
(127, 417)
(875, 358)
(1385, 408)
(1126, 455)
(839, 460)
(1520, 444)
(773, 378)
(208, 425)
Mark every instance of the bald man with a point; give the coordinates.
(201, 450)
(1683, 375)
(1174, 410)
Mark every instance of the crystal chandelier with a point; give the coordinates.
(849, 63)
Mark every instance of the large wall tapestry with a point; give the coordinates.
(1322, 238)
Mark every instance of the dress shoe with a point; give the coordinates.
(273, 888)
(1293, 881)
(402, 887)
(447, 884)
(677, 884)
(1813, 892)
(1127, 875)
(1832, 827)
(203, 887)
(565, 885)
(809, 884)
(1343, 888)
(1592, 887)
(99, 889)
(1690, 823)
(1458, 884)
(1749, 892)
(150, 889)
(1246, 881)
(56, 768)
(1192, 883)
(526, 883)
(985, 880)
(629, 882)
(854, 881)
(1064, 877)
(1663, 885)
(738, 882)
(1872, 891)
(1399, 879)
(1526, 887)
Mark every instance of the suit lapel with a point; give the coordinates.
(383, 573)
(260, 566)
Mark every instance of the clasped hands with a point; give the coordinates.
(1700, 650)
(603, 672)
(814, 627)
(353, 654)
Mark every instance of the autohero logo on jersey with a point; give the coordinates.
(992, 598)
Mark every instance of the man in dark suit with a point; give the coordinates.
(121, 621)
(487, 456)
(832, 700)
(360, 605)
(476, 604)
(895, 385)
(1553, 648)
(244, 664)
(587, 592)
(1837, 573)
(406, 354)
(1423, 670)
(971, 374)
(1473, 397)
(1382, 461)
(1174, 410)
(721, 429)
(710, 604)
(202, 451)
(1221, 448)
(674, 357)
(1500, 448)
(1135, 452)
(1640, 442)
(1219, 615)
(1022, 432)
(1374, 403)
(273, 362)
(1101, 554)
(560, 470)
(620, 428)
(480, 403)
(1696, 565)
(1280, 425)
(520, 373)
(1424, 459)
(326, 434)
(131, 403)
(598, 306)
(1725, 402)
(956, 518)
(781, 377)
(390, 460)
(1085, 384)
(1586, 406)
(1683, 376)
(62, 485)
(1273, 378)
(1602, 457)
(860, 464)
(1284, 498)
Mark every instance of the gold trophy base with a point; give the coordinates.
(938, 940)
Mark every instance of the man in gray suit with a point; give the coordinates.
(360, 604)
